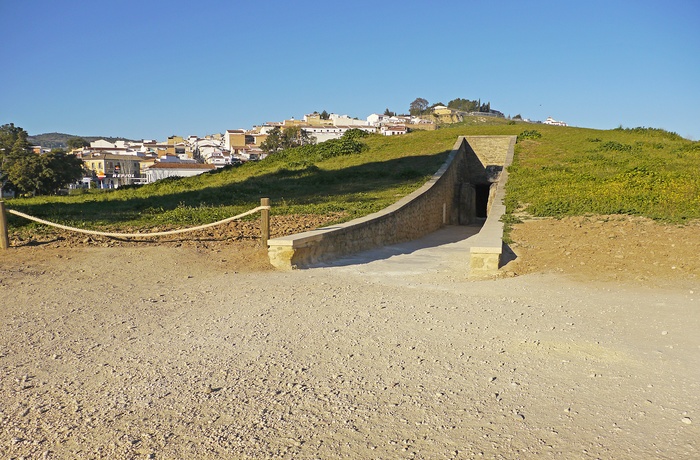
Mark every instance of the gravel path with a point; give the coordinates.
(175, 353)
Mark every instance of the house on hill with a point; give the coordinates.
(553, 122)
(162, 170)
(447, 115)
(393, 130)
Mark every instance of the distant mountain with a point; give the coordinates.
(60, 140)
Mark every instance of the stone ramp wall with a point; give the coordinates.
(487, 248)
(424, 211)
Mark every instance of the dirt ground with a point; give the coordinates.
(587, 347)
(609, 248)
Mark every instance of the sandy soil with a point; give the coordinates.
(198, 350)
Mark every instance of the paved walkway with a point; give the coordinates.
(444, 253)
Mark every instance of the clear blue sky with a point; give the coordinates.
(150, 69)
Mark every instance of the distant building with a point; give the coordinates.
(447, 115)
(376, 119)
(162, 170)
(234, 138)
(326, 133)
(108, 170)
(314, 119)
(39, 150)
(552, 121)
(393, 130)
(345, 120)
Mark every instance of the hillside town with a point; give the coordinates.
(110, 165)
(119, 163)
(116, 164)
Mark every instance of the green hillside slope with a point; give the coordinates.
(557, 171)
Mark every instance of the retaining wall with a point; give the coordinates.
(439, 202)
(487, 247)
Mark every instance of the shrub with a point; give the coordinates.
(614, 146)
(529, 134)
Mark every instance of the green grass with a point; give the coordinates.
(297, 181)
(576, 171)
(557, 171)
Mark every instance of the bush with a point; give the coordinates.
(529, 134)
(614, 146)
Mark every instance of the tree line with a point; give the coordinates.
(26, 172)
(421, 106)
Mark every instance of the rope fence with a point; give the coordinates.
(264, 209)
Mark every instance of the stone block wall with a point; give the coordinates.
(487, 248)
(439, 202)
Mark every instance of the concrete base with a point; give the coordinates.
(484, 261)
(295, 251)
(281, 257)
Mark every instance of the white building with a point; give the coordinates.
(326, 133)
(376, 119)
(393, 130)
(162, 170)
(345, 120)
(102, 144)
(552, 121)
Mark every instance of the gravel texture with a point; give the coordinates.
(199, 350)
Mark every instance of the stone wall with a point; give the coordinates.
(441, 201)
(487, 247)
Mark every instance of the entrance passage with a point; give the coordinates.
(482, 199)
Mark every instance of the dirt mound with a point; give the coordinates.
(608, 248)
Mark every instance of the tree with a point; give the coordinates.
(418, 106)
(59, 169)
(25, 173)
(295, 136)
(464, 105)
(13, 146)
(77, 143)
(32, 173)
(355, 134)
(389, 113)
(45, 174)
(278, 139)
(325, 115)
(273, 142)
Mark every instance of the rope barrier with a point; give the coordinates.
(136, 235)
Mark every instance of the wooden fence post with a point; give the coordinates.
(265, 221)
(4, 240)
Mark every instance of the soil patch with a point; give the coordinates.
(608, 248)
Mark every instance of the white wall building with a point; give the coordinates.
(393, 130)
(326, 133)
(102, 144)
(376, 119)
(162, 170)
(552, 121)
(345, 120)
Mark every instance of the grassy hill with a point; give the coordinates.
(557, 171)
(575, 171)
(60, 140)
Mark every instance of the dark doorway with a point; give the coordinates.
(482, 199)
